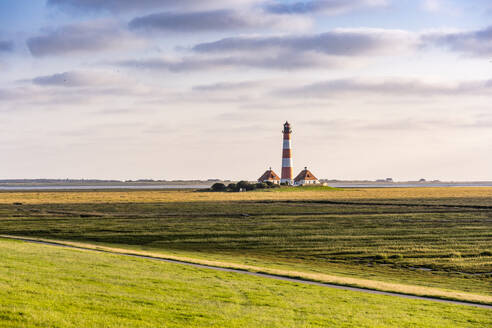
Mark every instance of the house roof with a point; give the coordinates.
(269, 175)
(305, 175)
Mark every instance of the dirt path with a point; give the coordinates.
(256, 274)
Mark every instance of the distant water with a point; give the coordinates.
(332, 184)
(68, 187)
(409, 185)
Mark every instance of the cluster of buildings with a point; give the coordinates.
(305, 177)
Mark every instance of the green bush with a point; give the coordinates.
(219, 187)
(232, 187)
(261, 185)
(245, 186)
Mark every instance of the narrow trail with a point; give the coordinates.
(256, 274)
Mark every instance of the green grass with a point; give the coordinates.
(45, 286)
(391, 242)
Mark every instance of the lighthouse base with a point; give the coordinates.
(287, 181)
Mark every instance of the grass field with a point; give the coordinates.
(453, 195)
(45, 286)
(427, 237)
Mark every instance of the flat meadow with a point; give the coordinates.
(46, 286)
(422, 241)
(468, 195)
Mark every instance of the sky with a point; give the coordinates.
(197, 89)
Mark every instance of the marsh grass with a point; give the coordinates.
(436, 242)
(304, 275)
(44, 286)
(456, 195)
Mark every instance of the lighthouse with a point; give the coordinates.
(286, 156)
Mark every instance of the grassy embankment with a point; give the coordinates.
(439, 238)
(45, 286)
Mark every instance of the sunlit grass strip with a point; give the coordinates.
(338, 280)
(156, 196)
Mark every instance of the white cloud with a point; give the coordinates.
(389, 87)
(476, 43)
(217, 20)
(79, 79)
(275, 61)
(432, 5)
(118, 6)
(339, 42)
(81, 38)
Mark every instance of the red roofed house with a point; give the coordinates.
(305, 177)
(271, 176)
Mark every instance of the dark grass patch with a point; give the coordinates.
(311, 233)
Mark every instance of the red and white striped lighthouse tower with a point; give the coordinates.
(286, 176)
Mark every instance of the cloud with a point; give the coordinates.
(329, 50)
(216, 20)
(331, 7)
(388, 87)
(6, 46)
(7, 94)
(77, 79)
(340, 42)
(230, 86)
(280, 61)
(87, 91)
(431, 5)
(446, 7)
(399, 125)
(355, 42)
(110, 5)
(476, 43)
(250, 93)
(139, 5)
(86, 37)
